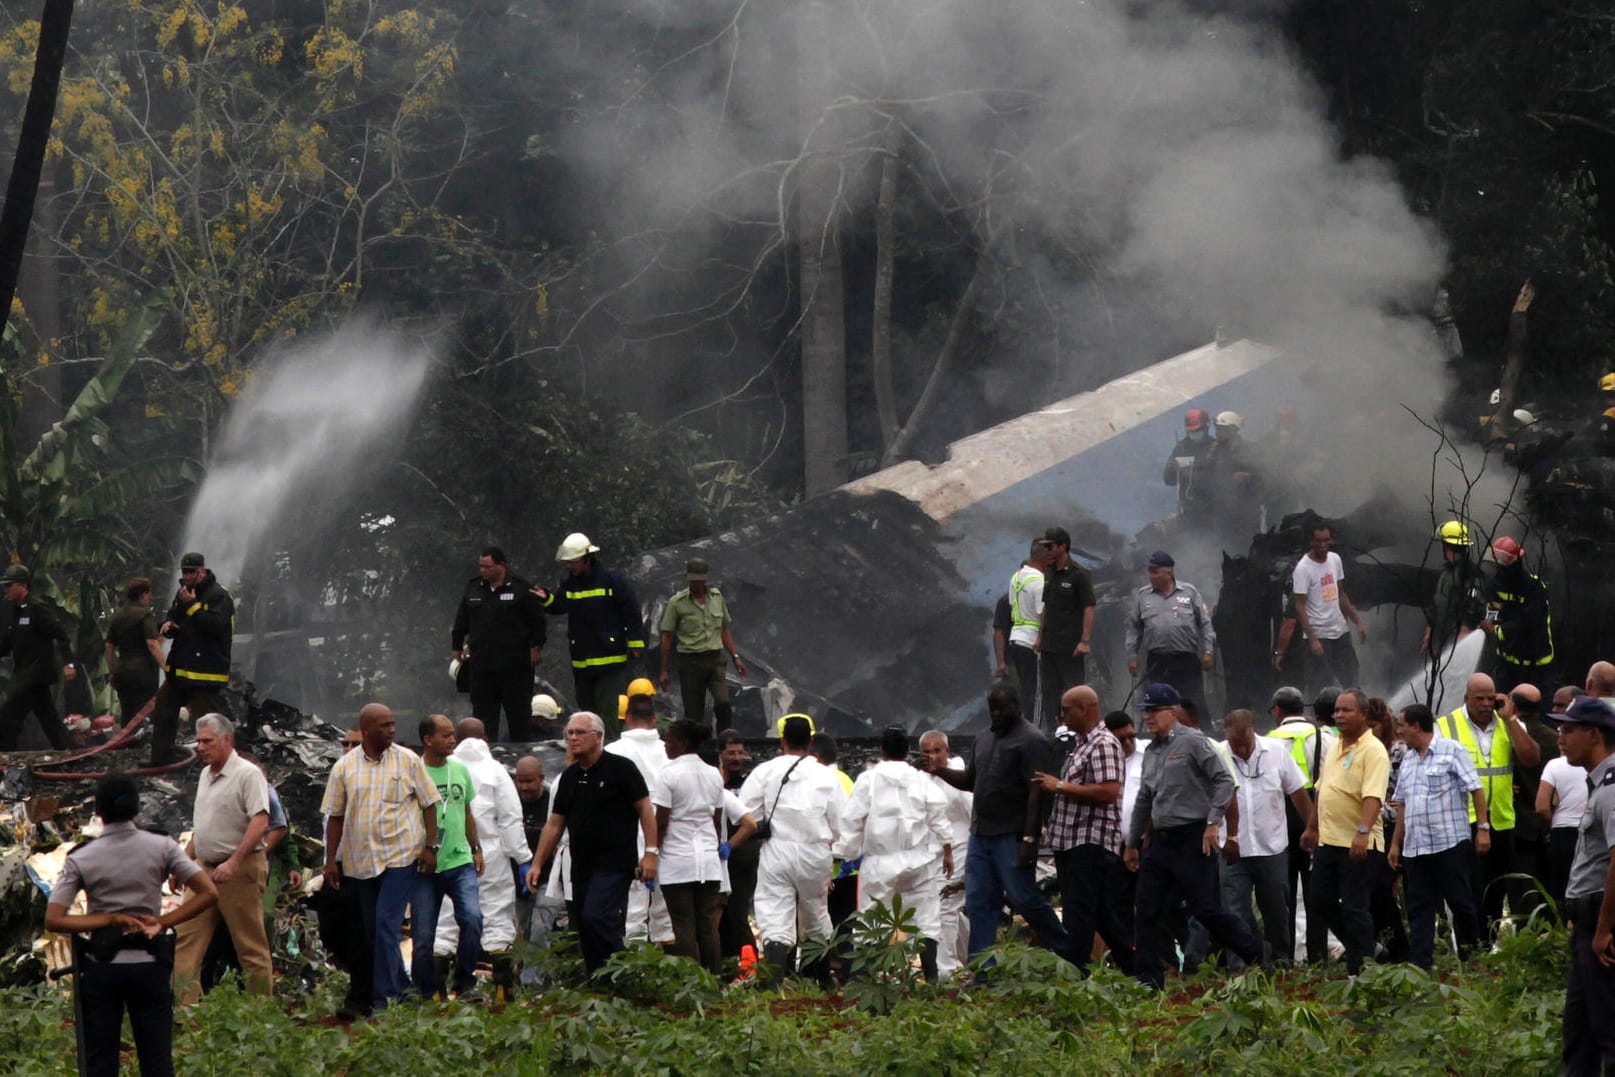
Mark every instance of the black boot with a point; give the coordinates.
(777, 957)
(928, 961)
(442, 969)
(504, 976)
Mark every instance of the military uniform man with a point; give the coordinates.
(37, 642)
(1589, 1017)
(1169, 635)
(698, 618)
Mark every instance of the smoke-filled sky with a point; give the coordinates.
(1178, 158)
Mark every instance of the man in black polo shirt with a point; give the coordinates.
(1005, 821)
(1063, 642)
(600, 799)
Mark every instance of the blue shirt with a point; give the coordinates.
(1433, 791)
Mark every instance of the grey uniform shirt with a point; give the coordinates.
(1177, 622)
(1003, 766)
(123, 871)
(1596, 834)
(1185, 783)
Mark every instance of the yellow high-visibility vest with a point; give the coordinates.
(1496, 774)
(1299, 737)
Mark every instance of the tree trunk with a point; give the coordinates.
(23, 187)
(899, 447)
(880, 335)
(823, 324)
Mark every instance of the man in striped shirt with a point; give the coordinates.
(381, 809)
(1431, 842)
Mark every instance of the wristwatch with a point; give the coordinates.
(653, 851)
(1027, 839)
(1483, 826)
(1364, 829)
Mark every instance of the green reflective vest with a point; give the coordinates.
(1496, 774)
(1298, 735)
(1023, 576)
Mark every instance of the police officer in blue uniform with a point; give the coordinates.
(1588, 738)
(127, 960)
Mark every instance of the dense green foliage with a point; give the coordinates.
(653, 1014)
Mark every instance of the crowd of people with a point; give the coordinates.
(1167, 854)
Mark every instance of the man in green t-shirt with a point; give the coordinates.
(459, 862)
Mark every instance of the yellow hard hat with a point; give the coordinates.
(1454, 533)
(779, 726)
(641, 686)
(622, 708)
(1607, 383)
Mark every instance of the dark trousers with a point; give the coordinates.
(601, 902)
(1317, 940)
(106, 992)
(1090, 878)
(1487, 875)
(992, 876)
(1057, 671)
(1385, 910)
(1561, 854)
(512, 691)
(734, 926)
(199, 697)
(597, 689)
(1266, 878)
(21, 701)
(357, 907)
(1181, 671)
(1023, 661)
(1432, 879)
(1589, 1021)
(693, 908)
(1341, 889)
(701, 673)
(134, 692)
(1506, 676)
(1175, 869)
(1337, 665)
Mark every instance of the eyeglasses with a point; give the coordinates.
(583, 732)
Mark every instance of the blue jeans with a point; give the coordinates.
(394, 886)
(991, 876)
(459, 885)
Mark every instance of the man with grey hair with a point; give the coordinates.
(227, 839)
(602, 803)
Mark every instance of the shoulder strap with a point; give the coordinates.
(781, 790)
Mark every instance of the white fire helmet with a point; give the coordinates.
(577, 545)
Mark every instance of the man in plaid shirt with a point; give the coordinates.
(1085, 829)
(1431, 841)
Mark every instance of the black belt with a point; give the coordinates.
(1585, 907)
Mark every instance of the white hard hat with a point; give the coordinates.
(1523, 417)
(577, 544)
(454, 669)
(1229, 418)
(544, 706)
(1497, 397)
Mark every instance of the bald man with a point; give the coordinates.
(1601, 680)
(1085, 829)
(1497, 744)
(381, 811)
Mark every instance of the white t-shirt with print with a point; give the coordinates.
(1321, 584)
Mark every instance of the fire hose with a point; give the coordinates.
(121, 738)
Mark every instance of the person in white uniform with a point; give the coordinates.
(896, 820)
(797, 801)
(954, 941)
(647, 911)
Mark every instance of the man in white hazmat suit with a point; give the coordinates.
(954, 942)
(896, 819)
(647, 911)
(497, 809)
(801, 799)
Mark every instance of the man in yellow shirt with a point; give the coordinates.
(1351, 788)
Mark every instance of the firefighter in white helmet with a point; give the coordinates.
(605, 627)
